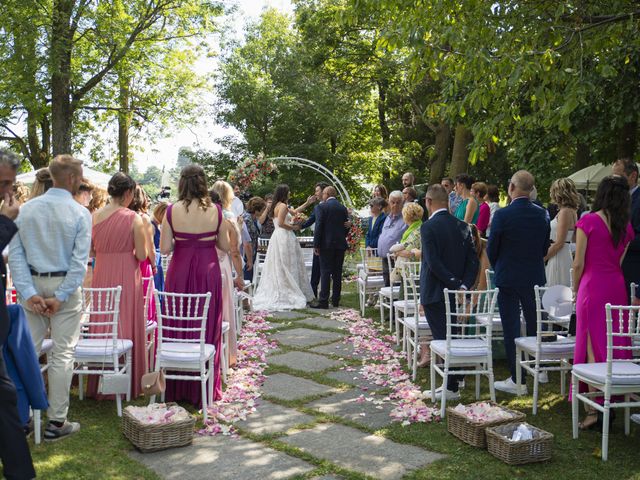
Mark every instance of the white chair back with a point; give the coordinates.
(469, 305)
(182, 318)
(551, 307)
(623, 323)
(371, 262)
(148, 294)
(101, 306)
(410, 273)
(557, 300)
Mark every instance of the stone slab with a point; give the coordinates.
(306, 362)
(223, 458)
(272, 418)
(324, 322)
(288, 387)
(286, 315)
(341, 349)
(366, 413)
(304, 337)
(354, 378)
(368, 454)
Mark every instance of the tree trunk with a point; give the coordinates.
(583, 156)
(60, 55)
(124, 123)
(385, 132)
(438, 163)
(334, 144)
(628, 140)
(38, 155)
(460, 155)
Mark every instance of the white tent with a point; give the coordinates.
(589, 178)
(94, 176)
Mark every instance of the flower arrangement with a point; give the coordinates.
(355, 233)
(158, 413)
(251, 170)
(483, 412)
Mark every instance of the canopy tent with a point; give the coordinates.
(97, 178)
(589, 178)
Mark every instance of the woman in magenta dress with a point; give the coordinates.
(602, 238)
(192, 229)
(119, 244)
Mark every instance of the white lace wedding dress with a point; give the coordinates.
(283, 283)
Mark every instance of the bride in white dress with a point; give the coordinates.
(559, 258)
(283, 283)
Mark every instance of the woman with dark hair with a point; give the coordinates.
(479, 192)
(602, 238)
(377, 206)
(191, 229)
(493, 200)
(563, 193)
(468, 209)
(148, 267)
(159, 212)
(119, 245)
(283, 284)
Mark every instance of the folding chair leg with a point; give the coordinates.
(433, 376)
(37, 426)
(574, 405)
(605, 430)
(119, 404)
(443, 396)
(477, 383)
(563, 379)
(536, 386)
(203, 390)
(81, 386)
(518, 371)
(414, 358)
(492, 390)
(381, 308)
(627, 416)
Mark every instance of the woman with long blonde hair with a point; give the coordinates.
(559, 259)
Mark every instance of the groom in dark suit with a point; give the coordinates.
(315, 266)
(330, 244)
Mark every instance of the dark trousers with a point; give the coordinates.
(386, 275)
(509, 302)
(436, 314)
(315, 275)
(331, 262)
(14, 451)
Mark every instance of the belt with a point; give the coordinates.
(48, 274)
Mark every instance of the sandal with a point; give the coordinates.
(590, 421)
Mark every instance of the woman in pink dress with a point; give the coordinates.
(602, 238)
(119, 244)
(192, 229)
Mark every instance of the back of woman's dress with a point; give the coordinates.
(284, 284)
(194, 268)
(116, 264)
(558, 269)
(602, 282)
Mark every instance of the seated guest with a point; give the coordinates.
(48, 259)
(119, 244)
(410, 240)
(468, 208)
(392, 230)
(449, 260)
(375, 221)
(479, 192)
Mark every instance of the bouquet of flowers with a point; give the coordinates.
(299, 218)
(355, 233)
(250, 171)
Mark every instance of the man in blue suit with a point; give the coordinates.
(330, 244)
(315, 266)
(449, 260)
(627, 168)
(517, 245)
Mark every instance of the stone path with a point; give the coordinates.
(307, 395)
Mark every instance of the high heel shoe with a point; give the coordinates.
(590, 422)
(424, 363)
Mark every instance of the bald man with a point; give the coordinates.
(517, 246)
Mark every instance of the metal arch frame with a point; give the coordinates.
(324, 171)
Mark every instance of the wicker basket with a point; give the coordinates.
(473, 433)
(151, 438)
(538, 449)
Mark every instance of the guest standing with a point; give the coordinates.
(119, 242)
(559, 258)
(479, 192)
(449, 260)
(42, 183)
(191, 229)
(631, 264)
(468, 209)
(392, 230)
(264, 220)
(602, 240)
(375, 222)
(158, 216)
(255, 207)
(454, 200)
(48, 260)
(315, 263)
(518, 243)
(14, 450)
(493, 200)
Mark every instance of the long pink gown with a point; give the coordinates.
(195, 268)
(602, 282)
(116, 264)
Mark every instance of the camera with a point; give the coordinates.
(165, 193)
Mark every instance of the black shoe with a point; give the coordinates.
(55, 432)
(319, 305)
(335, 305)
(28, 428)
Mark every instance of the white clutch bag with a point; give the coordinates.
(114, 384)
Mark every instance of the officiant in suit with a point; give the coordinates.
(315, 266)
(330, 244)
(449, 260)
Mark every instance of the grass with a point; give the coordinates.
(100, 451)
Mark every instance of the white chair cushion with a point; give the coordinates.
(562, 345)
(496, 323)
(389, 291)
(404, 305)
(371, 282)
(99, 348)
(463, 347)
(622, 373)
(47, 346)
(184, 352)
(410, 323)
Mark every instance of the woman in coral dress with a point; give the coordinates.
(601, 242)
(119, 243)
(192, 229)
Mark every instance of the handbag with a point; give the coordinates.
(572, 325)
(154, 383)
(114, 384)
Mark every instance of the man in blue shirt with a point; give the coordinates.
(48, 259)
(392, 231)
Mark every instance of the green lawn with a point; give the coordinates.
(100, 451)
